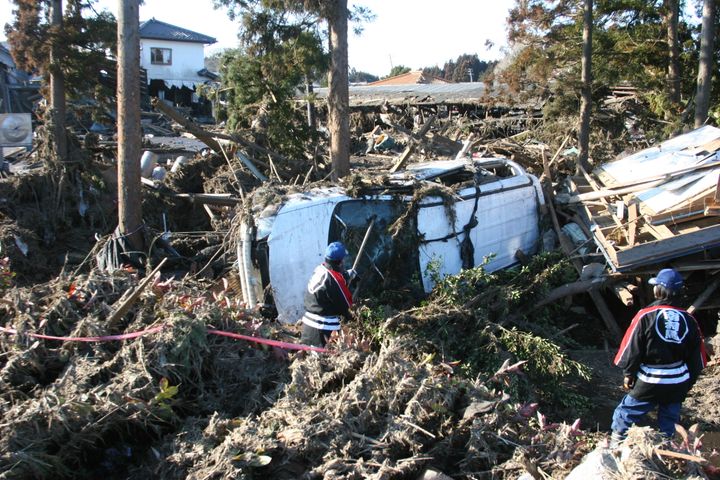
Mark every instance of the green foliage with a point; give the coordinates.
(356, 76)
(629, 47)
(279, 53)
(463, 317)
(549, 372)
(398, 70)
(459, 70)
(83, 43)
(260, 82)
(164, 397)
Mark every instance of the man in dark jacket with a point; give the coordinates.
(662, 354)
(327, 297)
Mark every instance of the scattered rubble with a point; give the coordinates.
(128, 372)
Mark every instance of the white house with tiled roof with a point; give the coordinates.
(173, 56)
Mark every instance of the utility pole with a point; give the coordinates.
(57, 82)
(128, 94)
(470, 73)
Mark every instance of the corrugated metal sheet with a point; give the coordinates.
(420, 94)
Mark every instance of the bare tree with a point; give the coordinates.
(57, 82)
(707, 40)
(586, 79)
(129, 141)
(338, 93)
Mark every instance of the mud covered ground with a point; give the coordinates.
(448, 385)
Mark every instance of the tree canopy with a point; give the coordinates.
(84, 41)
(466, 68)
(630, 46)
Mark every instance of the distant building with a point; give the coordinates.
(16, 91)
(410, 78)
(174, 58)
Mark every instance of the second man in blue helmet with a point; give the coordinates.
(327, 297)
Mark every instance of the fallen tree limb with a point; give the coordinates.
(186, 123)
(582, 286)
(682, 456)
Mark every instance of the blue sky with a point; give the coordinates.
(413, 33)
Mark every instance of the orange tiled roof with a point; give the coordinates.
(410, 78)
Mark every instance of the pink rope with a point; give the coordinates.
(266, 341)
(130, 336)
(106, 338)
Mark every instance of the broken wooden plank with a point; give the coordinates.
(712, 206)
(134, 296)
(568, 247)
(426, 127)
(623, 294)
(251, 166)
(660, 232)
(403, 158)
(682, 456)
(702, 298)
(676, 246)
(211, 198)
(632, 223)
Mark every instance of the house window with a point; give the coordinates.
(161, 56)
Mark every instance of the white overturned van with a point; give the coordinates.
(433, 218)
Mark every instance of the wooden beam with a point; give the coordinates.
(704, 296)
(632, 223)
(568, 247)
(134, 296)
(403, 158)
(678, 245)
(660, 232)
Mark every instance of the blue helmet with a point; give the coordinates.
(669, 279)
(335, 252)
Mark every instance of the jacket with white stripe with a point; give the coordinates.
(663, 349)
(327, 297)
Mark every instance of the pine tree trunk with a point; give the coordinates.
(586, 101)
(707, 39)
(338, 94)
(673, 80)
(57, 84)
(129, 138)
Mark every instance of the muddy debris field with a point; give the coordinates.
(117, 369)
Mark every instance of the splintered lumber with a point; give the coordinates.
(134, 296)
(712, 206)
(225, 199)
(210, 198)
(403, 158)
(682, 456)
(704, 296)
(632, 223)
(568, 247)
(621, 292)
(188, 124)
(425, 128)
(251, 166)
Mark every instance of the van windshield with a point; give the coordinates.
(388, 264)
